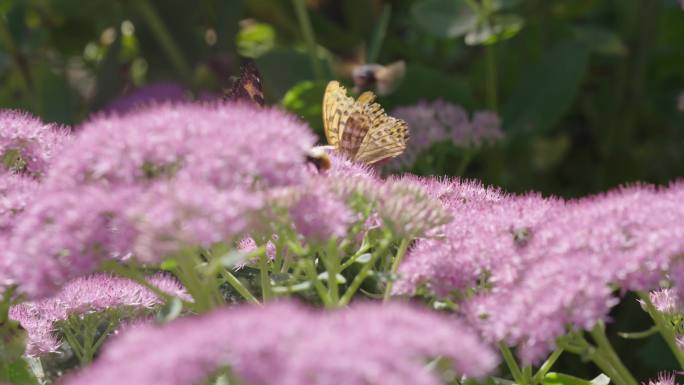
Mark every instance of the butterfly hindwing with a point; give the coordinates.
(248, 86)
(386, 139)
(355, 130)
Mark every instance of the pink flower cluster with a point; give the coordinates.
(437, 121)
(90, 294)
(27, 146)
(287, 344)
(538, 265)
(144, 184)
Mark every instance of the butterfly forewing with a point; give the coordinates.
(337, 107)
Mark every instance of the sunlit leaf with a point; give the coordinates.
(566, 379)
(304, 100)
(502, 27)
(255, 39)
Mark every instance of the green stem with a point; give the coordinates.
(663, 327)
(88, 341)
(492, 86)
(598, 333)
(353, 258)
(105, 334)
(465, 161)
(163, 36)
(238, 286)
(577, 344)
(333, 266)
(71, 338)
(187, 274)
(312, 275)
(265, 280)
(527, 374)
(308, 34)
(363, 274)
(639, 335)
(546, 366)
(403, 246)
(512, 364)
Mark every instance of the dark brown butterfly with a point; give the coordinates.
(247, 87)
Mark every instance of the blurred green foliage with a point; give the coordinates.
(586, 89)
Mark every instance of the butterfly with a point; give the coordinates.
(385, 78)
(247, 87)
(360, 128)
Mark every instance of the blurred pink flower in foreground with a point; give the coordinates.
(290, 345)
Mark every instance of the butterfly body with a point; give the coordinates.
(360, 128)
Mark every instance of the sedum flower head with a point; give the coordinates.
(409, 210)
(319, 215)
(27, 145)
(16, 192)
(183, 213)
(84, 295)
(625, 238)
(439, 121)
(663, 378)
(312, 347)
(221, 144)
(664, 301)
(483, 241)
(63, 234)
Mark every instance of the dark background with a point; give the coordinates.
(587, 89)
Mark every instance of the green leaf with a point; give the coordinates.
(445, 18)
(601, 379)
(283, 68)
(302, 286)
(502, 27)
(305, 100)
(565, 379)
(255, 39)
(547, 90)
(168, 264)
(17, 372)
(338, 277)
(363, 258)
(171, 310)
(58, 102)
(600, 40)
